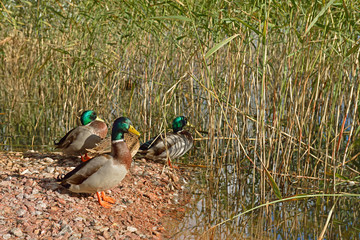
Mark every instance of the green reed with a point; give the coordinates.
(273, 83)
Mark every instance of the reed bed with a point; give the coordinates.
(272, 88)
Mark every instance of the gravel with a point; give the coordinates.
(35, 206)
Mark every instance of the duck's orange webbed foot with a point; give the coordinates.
(106, 198)
(85, 158)
(101, 202)
(170, 165)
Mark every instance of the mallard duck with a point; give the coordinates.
(83, 137)
(105, 171)
(170, 145)
(132, 142)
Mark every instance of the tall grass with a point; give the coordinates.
(275, 84)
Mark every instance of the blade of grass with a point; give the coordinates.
(220, 45)
(323, 10)
(176, 18)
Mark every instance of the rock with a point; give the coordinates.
(35, 191)
(65, 229)
(5, 183)
(98, 227)
(48, 159)
(21, 212)
(38, 213)
(29, 196)
(131, 229)
(20, 196)
(6, 236)
(50, 169)
(78, 219)
(40, 205)
(26, 171)
(106, 234)
(75, 236)
(103, 229)
(119, 208)
(17, 232)
(29, 182)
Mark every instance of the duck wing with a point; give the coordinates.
(174, 145)
(85, 170)
(66, 140)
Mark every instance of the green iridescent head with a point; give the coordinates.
(87, 117)
(179, 123)
(122, 125)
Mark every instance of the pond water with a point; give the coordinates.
(303, 219)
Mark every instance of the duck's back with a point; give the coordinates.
(172, 144)
(83, 137)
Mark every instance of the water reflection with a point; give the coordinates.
(215, 201)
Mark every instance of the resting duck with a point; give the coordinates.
(105, 171)
(78, 140)
(177, 143)
(132, 142)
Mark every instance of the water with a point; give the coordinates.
(302, 219)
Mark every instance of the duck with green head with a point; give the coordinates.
(170, 145)
(132, 141)
(105, 171)
(77, 140)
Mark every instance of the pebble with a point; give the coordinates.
(5, 183)
(20, 196)
(21, 212)
(50, 169)
(75, 236)
(35, 191)
(38, 213)
(29, 196)
(29, 182)
(98, 227)
(25, 172)
(103, 229)
(41, 205)
(48, 159)
(131, 229)
(17, 232)
(106, 234)
(78, 219)
(6, 236)
(65, 229)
